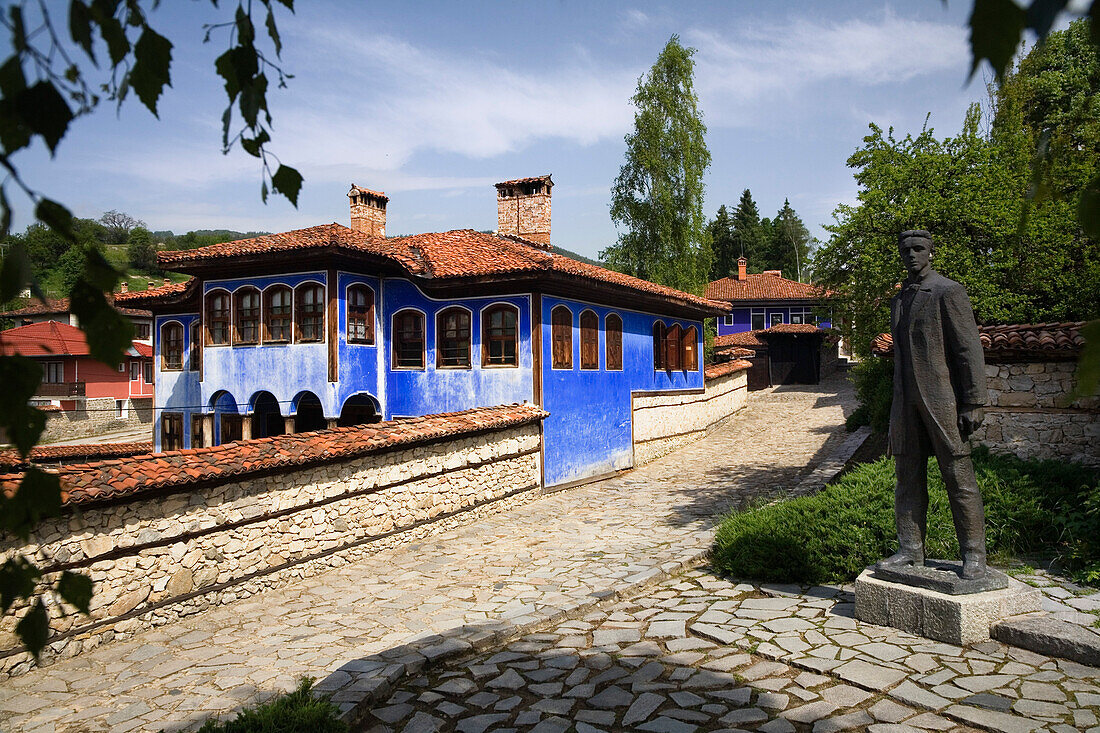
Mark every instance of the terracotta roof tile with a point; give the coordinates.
(1056, 340)
(67, 453)
(762, 287)
(360, 189)
(793, 328)
(51, 338)
(529, 179)
(747, 339)
(175, 470)
(720, 370)
(61, 305)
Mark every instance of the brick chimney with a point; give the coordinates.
(523, 208)
(368, 211)
(742, 268)
(125, 287)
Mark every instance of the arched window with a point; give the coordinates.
(452, 337)
(217, 318)
(672, 348)
(194, 353)
(613, 342)
(360, 315)
(659, 345)
(310, 318)
(278, 314)
(499, 336)
(408, 339)
(561, 332)
(247, 323)
(590, 340)
(689, 360)
(171, 347)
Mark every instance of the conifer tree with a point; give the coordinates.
(723, 244)
(748, 232)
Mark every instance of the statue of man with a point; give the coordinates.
(939, 392)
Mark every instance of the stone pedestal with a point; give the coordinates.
(955, 619)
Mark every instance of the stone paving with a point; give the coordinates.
(551, 557)
(703, 653)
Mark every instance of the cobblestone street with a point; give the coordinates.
(520, 567)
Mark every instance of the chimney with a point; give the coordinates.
(150, 285)
(167, 281)
(368, 211)
(125, 287)
(523, 208)
(742, 268)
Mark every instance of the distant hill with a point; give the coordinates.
(201, 237)
(574, 256)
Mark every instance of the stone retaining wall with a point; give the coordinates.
(1031, 413)
(665, 422)
(158, 556)
(96, 416)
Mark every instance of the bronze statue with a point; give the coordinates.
(939, 392)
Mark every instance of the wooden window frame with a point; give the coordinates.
(689, 356)
(167, 420)
(659, 331)
(167, 364)
(590, 340)
(398, 339)
(147, 371)
(672, 348)
(226, 321)
(197, 430)
(52, 366)
(255, 320)
(194, 351)
(488, 338)
(357, 312)
(269, 316)
(613, 343)
(753, 314)
(441, 339)
(561, 357)
(300, 313)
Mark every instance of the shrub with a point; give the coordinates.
(1031, 506)
(874, 380)
(296, 712)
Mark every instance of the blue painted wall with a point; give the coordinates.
(588, 432)
(742, 319)
(178, 391)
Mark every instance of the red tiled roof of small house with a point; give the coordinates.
(1015, 341)
(52, 338)
(729, 367)
(747, 339)
(792, 328)
(180, 470)
(61, 305)
(765, 286)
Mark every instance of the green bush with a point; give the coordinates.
(874, 380)
(297, 712)
(1031, 507)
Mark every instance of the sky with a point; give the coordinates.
(432, 103)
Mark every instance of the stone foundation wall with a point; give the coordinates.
(158, 557)
(1031, 413)
(96, 416)
(665, 422)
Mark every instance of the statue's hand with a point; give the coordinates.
(970, 419)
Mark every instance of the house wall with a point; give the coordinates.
(665, 422)
(157, 558)
(742, 318)
(1031, 413)
(83, 418)
(588, 432)
(176, 391)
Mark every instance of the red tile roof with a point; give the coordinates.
(51, 338)
(1050, 340)
(765, 286)
(720, 370)
(68, 453)
(439, 256)
(793, 328)
(153, 293)
(735, 352)
(745, 339)
(178, 470)
(529, 179)
(61, 305)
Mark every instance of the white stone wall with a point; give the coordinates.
(665, 422)
(157, 559)
(1032, 414)
(96, 416)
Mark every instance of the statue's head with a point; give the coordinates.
(915, 248)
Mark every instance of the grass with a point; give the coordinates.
(296, 712)
(1031, 507)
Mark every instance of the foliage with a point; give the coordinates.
(296, 712)
(723, 245)
(118, 226)
(749, 233)
(68, 79)
(141, 250)
(658, 196)
(874, 380)
(1031, 506)
(789, 244)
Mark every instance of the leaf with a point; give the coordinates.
(226, 66)
(45, 112)
(1041, 15)
(34, 628)
(289, 4)
(12, 80)
(253, 99)
(246, 32)
(18, 29)
(80, 27)
(1088, 209)
(17, 577)
(252, 145)
(76, 589)
(274, 32)
(38, 497)
(20, 377)
(995, 28)
(56, 217)
(113, 34)
(1088, 365)
(109, 334)
(288, 182)
(15, 270)
(152, 67)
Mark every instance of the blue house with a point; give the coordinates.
(335, 325)
(764, 300)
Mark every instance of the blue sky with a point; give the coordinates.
(434, 102)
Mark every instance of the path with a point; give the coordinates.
(559, 551)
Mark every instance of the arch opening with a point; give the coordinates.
(308, 414)
(267, 420)
(360, 409)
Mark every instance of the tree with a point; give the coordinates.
(723, 245)
(658, 196)
(118, 226)
(141, 250)
(68, 81)
(789, 243)
(748, 231)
